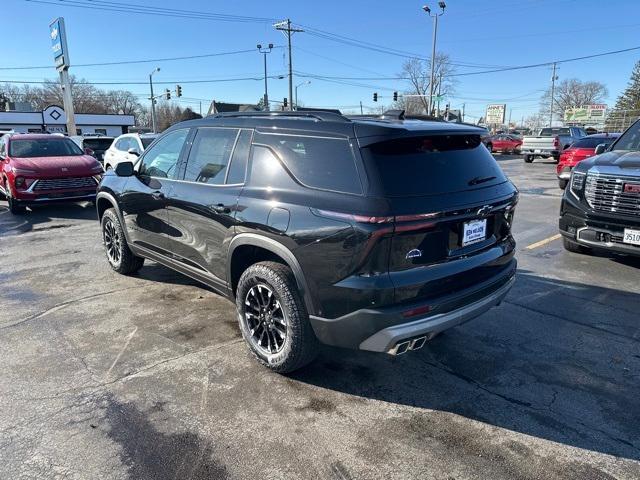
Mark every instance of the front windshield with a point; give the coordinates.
(43, 147)
(630, 140)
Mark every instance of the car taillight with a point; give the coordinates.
(556, 142)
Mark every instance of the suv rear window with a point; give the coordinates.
(98, 143)
(325, 163)
(432, 165)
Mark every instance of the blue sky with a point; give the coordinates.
(505, 33)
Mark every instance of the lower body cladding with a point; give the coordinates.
(395, 330)
(600, 231)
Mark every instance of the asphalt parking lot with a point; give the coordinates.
(146, 377)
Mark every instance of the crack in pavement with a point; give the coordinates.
(559, 317)
(61, 305)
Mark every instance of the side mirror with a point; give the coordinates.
(133, 151)
(124, 169)
(88, 151)
(601, 148)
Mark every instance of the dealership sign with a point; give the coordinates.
(59, 43)
(495, 113)
(587, 113)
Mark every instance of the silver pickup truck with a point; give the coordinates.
(550, 142)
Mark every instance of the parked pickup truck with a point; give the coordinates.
(600, 208)
(550, 142)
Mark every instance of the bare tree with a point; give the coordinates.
(418, 73)
(122, 102)
(571, 93)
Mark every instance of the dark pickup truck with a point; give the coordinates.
(601, 205)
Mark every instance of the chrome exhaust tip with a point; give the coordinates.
(400, 348)
(417, 343)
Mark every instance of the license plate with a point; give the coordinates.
(474, 231)
(631, 236)
(537, 150)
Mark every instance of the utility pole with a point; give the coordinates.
(361, 112)
(463, 105)
(285, 26)
(553, 88)
(433, 49)
(439, 85)
(153, 100)
(264, 54)
(509, 123)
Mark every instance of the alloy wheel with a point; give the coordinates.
(112, 242)
(265, 319)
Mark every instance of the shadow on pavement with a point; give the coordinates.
(37, 217)
(551, 362)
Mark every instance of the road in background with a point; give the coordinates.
(115, 377)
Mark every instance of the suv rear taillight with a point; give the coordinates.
(556, 143)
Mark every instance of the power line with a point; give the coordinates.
(129, 62)
(146, 10)
(164, 82)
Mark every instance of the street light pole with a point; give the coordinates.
(153, 100)
(299, 85)
(264, 54)
(433, 50)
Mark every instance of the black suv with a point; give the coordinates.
(371, 233)
(601, 205)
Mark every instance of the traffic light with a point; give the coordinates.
(284, 102)
(178, 91)
(167, 94)
(375, 96)
(395, 96)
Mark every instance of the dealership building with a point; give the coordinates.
(53, 119)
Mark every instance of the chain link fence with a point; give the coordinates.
(619, 120)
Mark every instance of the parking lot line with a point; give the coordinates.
(543, 242)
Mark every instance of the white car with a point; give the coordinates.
(127, 148)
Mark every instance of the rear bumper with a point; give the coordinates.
(539, 151)
(380, 330)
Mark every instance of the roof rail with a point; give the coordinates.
(318, 115)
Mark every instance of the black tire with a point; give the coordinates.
(562, 183)
(119, 256)
(574, 247)
(14, 205)
(300, 345)
(528, 158)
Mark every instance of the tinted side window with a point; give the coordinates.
(210, 154)
(238, 166)
(630, 140)
(318, 162)
(162, 159)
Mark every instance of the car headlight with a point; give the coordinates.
(577, 181)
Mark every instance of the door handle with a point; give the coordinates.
(221, 208)
(158, 195)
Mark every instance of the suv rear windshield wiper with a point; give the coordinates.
(477, 180)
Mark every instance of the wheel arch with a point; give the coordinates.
(106, 200)
(273, 248)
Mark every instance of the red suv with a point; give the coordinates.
(580, 150)
(41, 168)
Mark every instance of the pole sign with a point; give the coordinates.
(59, 43)
(495, 113)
